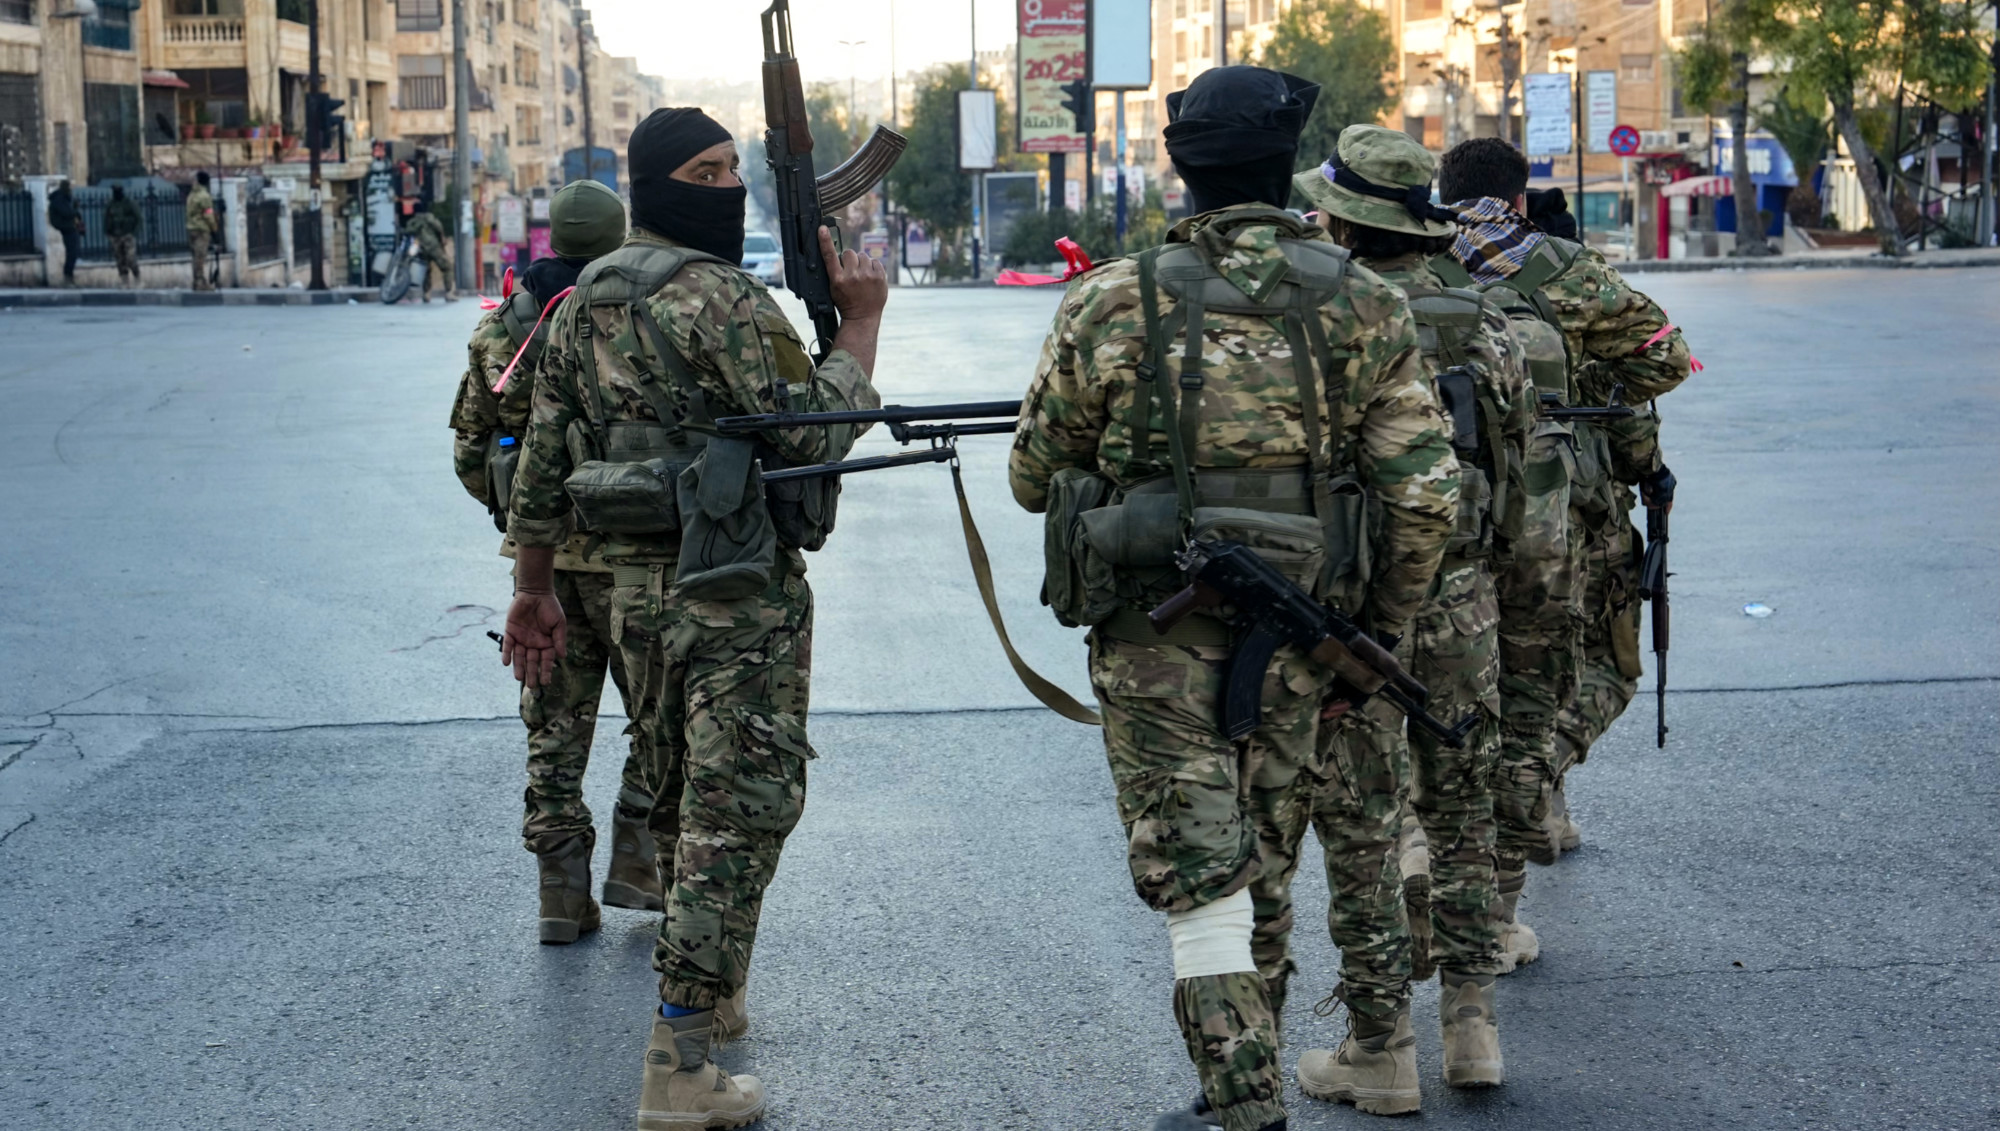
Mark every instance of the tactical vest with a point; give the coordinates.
(522, 318)
(1448, 321)
(649, 481)
(1550, 365)
(1111, 549)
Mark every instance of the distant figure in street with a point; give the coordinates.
(200, 229)
(121, 223)
(68, 223)
(424, 226)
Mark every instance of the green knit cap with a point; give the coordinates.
(1388, 158)
(586, 220)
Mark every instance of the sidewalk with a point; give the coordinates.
(1820, 260)
(229, 296)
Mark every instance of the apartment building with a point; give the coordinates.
(69, 90)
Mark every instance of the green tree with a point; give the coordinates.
(1346, 49)
(926, 183)
(1715, 76)
(834, 137)
(1806, 133)
(1850, 51)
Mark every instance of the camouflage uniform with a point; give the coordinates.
(430, 236)
(719, 688)
(1615, 335)
(1454, 650)
(1206, 817)
(200, 229)
(561, 717)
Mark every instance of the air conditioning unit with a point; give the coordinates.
(1657, 141)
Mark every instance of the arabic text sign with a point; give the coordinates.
(1546, 99)
(1052, 51)
(1600, 110)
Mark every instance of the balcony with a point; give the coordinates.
(204, 41)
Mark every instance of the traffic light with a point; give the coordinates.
(1082, 102)
(324, 128)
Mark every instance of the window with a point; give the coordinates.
(1422, 9)
(524, 13)
(759, 244)
(1635, 68)
(622, 111)
(111, 27)
(208, 7)
(419, 15)
(17, 11)
(420, 82)
(527, 67)
(297, 11)
(528, 124)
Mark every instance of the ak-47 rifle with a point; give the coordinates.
(1658, 494)
(1553, 408)
(1271, 610)
(804, 200)
(908, 424)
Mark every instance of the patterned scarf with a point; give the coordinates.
(1494, 241)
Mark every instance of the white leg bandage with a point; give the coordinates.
(1214, 939)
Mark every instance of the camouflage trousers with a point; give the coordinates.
(1454, 651)
(1608, 657)
(198, 257)
(1360, 784)
(562, 721)
(125, 251)
(1205, 818)
(441, 272)
(721, 691)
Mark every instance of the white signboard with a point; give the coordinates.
(978, 131)
(1121, 44)
(1546, 98)
(1600, 110)
(511, 220)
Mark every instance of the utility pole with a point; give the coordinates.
(853, 125)
(1987, 206)
(978, 179)
(1510, 64)
(1221, 34)
(1119, 210)
(583, 89)
(313, 144)
(461, 149)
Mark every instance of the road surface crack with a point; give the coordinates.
(459, 631)
(28, 820)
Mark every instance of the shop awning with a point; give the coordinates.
(1712, 185)
(163, 78)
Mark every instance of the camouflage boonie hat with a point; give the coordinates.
(586, 220)
(1391, 162)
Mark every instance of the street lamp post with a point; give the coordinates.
(461, 150)
(583, 88)
(851, 44)
(313, 143)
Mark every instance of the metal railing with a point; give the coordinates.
(17, 222)
(162, 223)
(261, 236)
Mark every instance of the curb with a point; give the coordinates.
(38, 298)
(1876, 261)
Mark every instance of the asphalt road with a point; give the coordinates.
(259, 772)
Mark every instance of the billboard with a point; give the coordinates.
(978, 131)
(1600, 110)
(1053, 49)
(1121, 44)
(1546, 98)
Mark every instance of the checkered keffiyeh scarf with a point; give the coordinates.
(1493, 240)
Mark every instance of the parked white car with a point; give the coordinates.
(763, 258)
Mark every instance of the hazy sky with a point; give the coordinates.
(720, 38)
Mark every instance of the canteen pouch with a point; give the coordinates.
(501, 462)
(1142, 532)
(729, 545)
(803, 510)
(1078, 584)
(625, 498)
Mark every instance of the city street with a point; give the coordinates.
(260, 770)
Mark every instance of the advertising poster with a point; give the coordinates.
(1600, 109)
(1051, 51)
(1546, 99)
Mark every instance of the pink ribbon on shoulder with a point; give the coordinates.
(501, 386)
(1694, 363)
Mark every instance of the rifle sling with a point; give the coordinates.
(1051, 696)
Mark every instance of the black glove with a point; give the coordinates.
(1657, 490)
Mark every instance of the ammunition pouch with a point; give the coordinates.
(502, 460)
(625, 498)
(729, 543)
(1078, 584)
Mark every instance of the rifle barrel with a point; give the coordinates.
(887, 414)
(871, 463)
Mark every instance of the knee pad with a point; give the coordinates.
(1214, 939)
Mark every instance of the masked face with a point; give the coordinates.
(703, 204)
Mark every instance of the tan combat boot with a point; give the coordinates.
(1375, 1068)
(683, 1089)
(732, 1017)
(1471, 1033)
(1518, 942)
(634, 878)
(567, 909)
(1416, 864)
(1563, 830)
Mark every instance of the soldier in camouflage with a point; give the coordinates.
(1617, 339)
(658, 338)
(488, 420)
(1374, 199)
(424, 226)
(1214, 825)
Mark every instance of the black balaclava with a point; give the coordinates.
(546, 278)
(702, 217)
(1234, 132)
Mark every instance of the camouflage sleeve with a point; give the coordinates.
(1406, 459)
(742, 343)
(476, 413)
(1626, 340)
(539, 512)
(1063, 414)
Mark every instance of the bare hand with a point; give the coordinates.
(537, 634)
(1333, 709)
(860, 284)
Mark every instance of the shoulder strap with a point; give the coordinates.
(1452, 271)
(1140, 421)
